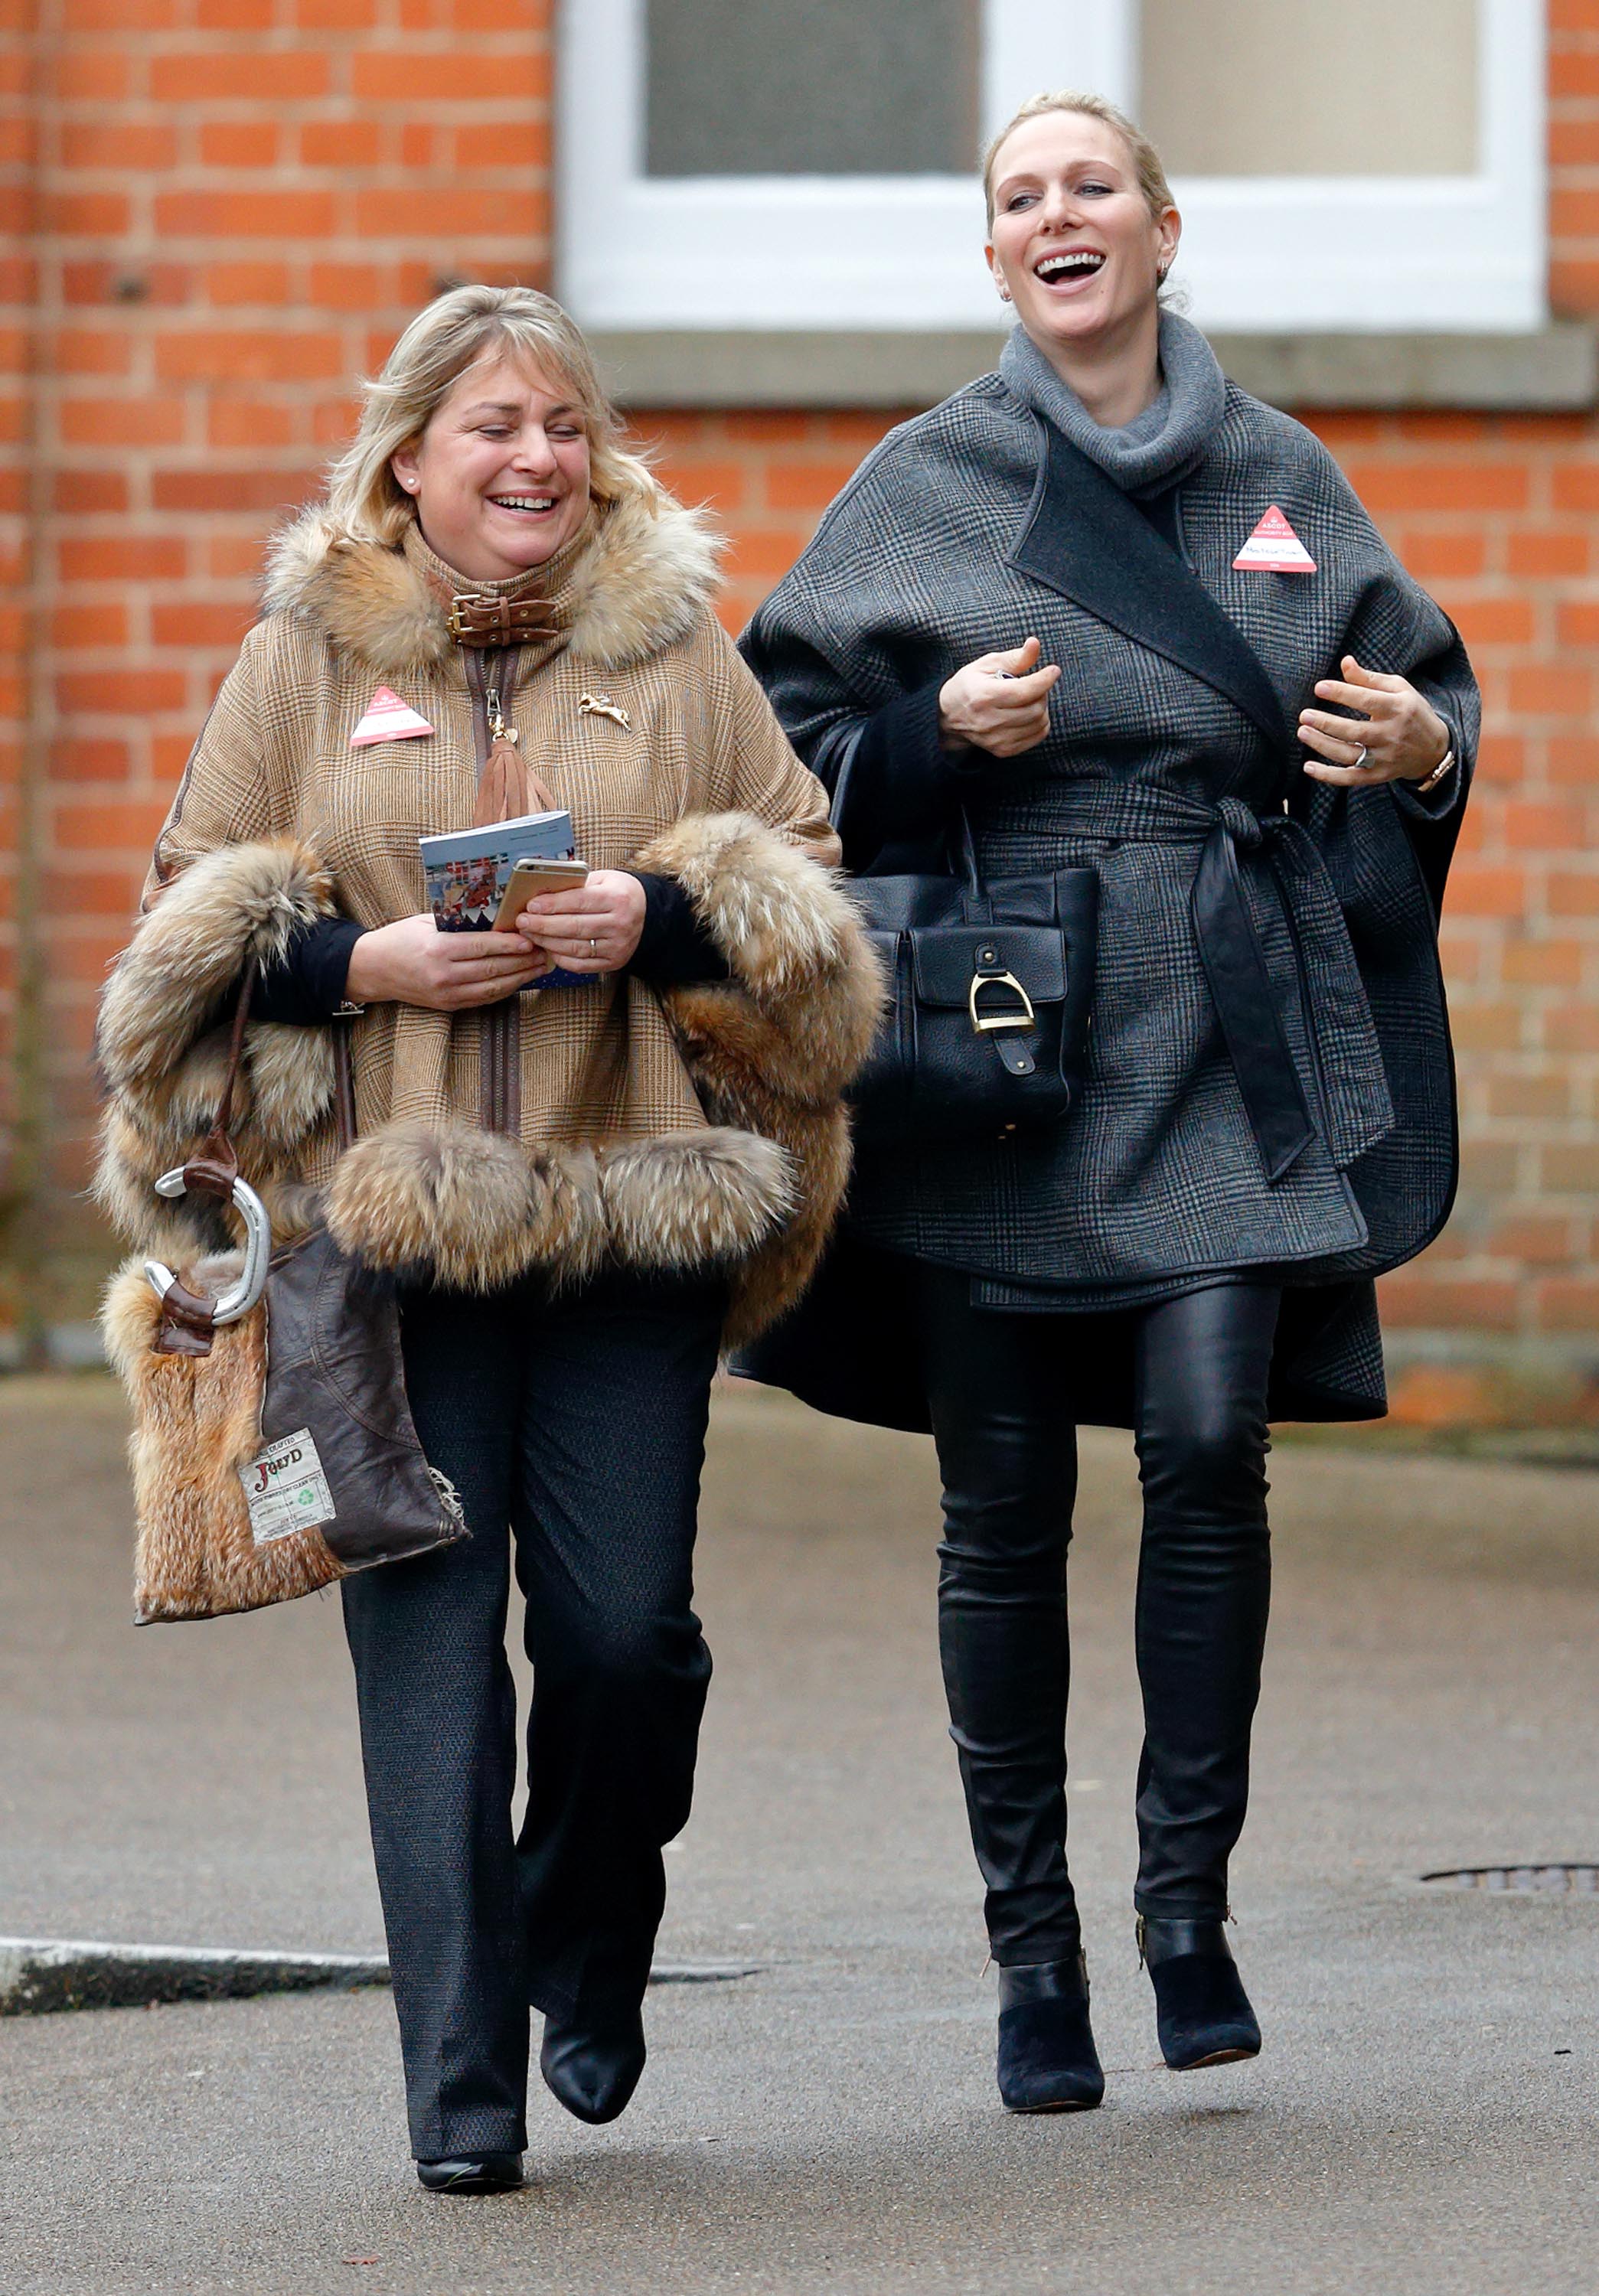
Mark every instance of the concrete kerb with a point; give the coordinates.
(40, 1976)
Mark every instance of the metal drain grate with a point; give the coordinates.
(1541, 1881)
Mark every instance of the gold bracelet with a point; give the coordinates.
(1445, 765)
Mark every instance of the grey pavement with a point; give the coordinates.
(1423, 2117)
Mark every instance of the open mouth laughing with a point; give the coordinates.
(1067, 266)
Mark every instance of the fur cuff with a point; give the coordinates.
(794, 944)
(172, 981)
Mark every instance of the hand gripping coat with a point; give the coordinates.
(1298, 1122)
(610, 1123)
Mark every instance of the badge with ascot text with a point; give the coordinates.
(1275, 548)
(388, 719)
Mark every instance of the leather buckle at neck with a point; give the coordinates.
(482, 617)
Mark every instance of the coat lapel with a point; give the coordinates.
(1085, 538)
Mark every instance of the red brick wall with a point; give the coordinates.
(235, 205)
(239, 202)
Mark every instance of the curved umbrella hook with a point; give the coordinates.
(238, 1301)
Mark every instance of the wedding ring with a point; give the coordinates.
(594, 946)
(1360, 760)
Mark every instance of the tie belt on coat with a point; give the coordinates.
(1282, 860)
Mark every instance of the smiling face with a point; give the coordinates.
(1072, 241)
(500, 477)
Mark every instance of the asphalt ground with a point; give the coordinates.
(1422, 2118)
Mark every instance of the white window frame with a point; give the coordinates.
(1260, 254)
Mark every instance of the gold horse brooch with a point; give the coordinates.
(601, 705)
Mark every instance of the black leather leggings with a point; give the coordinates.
(999, 1386)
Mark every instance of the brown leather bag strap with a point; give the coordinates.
(344, 1083)
(187, 1326)
(212, 1173)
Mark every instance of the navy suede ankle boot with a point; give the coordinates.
(1203, 2013)
(1047, 2060)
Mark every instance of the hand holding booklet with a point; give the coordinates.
(480, 880)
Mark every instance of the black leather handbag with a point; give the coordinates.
(990, 988)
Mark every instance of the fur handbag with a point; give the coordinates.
(273, 1449)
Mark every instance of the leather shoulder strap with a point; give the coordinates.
(212, 1173)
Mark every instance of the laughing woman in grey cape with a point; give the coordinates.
(1037, 603)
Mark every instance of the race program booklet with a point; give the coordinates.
(468, 870)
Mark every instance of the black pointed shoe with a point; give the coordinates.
(1047, 2060)
(592, 2064)
(473, 2172)
(1203, 2013)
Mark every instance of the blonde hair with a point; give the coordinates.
(366, 502)
(1146, 159)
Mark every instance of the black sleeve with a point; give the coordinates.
(1433, 821)
(674, 951)
(899, 785)
(306, 986)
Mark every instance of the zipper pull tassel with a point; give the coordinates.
(502, 785)
(498, 729)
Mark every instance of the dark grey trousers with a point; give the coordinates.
(574, 1430)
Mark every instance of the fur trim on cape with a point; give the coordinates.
(769, 1051)
(162, 1041)
(468, 1208)
(648, 574)
(181, 969)
(806, 992)
(474, 1210)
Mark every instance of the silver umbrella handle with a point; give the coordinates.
(243, 1296)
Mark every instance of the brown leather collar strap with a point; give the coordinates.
(479, 617)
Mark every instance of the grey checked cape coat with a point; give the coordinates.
(1170, 761)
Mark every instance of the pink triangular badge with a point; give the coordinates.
(1276, 546)
(388, 719)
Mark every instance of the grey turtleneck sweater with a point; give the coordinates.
(1160, 447)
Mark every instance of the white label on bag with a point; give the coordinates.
(285, 1488)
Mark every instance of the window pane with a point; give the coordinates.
(1311, 87)
(827, 87)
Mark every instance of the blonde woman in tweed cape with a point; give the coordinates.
(1030, 603)
(579, 1191)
